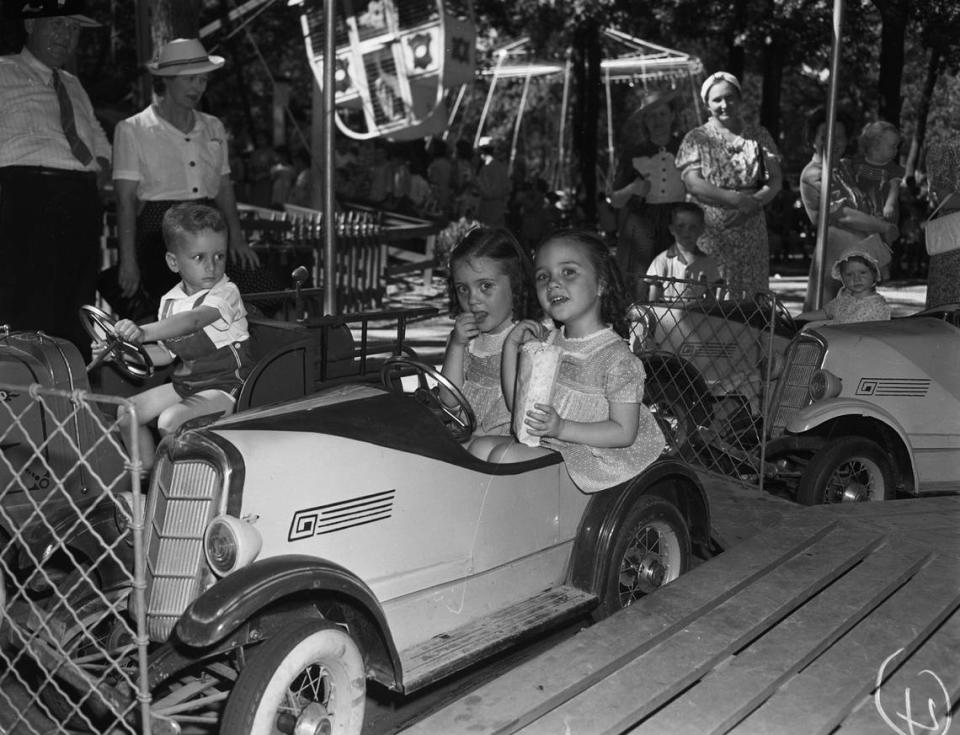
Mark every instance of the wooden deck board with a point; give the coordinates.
(667, 669)
(843, 675)
(540, 685)
(733, 690)
(920, 678)
(737, 636)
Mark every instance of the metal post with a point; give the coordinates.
(517, 124)
(819, 265)
(561, 153)
(329, 212)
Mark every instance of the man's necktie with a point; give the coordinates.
(79, 148)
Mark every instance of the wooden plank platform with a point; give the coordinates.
(836, 619)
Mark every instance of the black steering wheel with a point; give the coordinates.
(781, 314)
(132, 359)
(460, 419)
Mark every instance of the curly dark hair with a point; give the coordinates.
(613, 301)
(500, 245)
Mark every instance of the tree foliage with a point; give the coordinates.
(780, 48)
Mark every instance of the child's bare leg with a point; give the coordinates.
(481, 446)
(148, 406)
(513, 451)
(203, 403)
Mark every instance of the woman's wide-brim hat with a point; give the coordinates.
(183, 56)
(28, 9)
(872, 249)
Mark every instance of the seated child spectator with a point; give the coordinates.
(202, 321)
(858, 300)
(876, 170)
(683, 260)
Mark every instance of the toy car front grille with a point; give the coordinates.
(183, 500)
(804, 357)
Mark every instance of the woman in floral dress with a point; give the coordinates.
(732, 169)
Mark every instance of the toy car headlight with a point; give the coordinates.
(229, 544)
(824, 384)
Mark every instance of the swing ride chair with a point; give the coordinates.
(395, 61)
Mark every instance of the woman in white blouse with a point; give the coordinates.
(169, 153)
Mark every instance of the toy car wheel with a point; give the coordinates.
(309, 679)
(851, 469)
(651, 547)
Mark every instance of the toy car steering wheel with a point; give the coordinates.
(130, 358)
(460, 419)
(782, 314)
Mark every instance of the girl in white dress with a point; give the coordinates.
(596, 419)
(490, 290)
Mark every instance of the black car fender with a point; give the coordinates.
(80, 532)
(669, 479)
(296, 583)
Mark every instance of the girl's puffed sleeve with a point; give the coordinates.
(625, 378)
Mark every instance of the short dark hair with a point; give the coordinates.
(188, 217)
(818, 117)
(688, 207)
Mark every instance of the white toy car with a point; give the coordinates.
(297, 550)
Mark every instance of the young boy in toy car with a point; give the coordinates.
(202, 321)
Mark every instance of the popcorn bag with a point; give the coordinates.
(537, 371)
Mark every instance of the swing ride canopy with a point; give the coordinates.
(628, 60)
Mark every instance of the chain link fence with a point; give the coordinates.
(711, 355)
(72, 642)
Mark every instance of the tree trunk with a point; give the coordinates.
(236, 64)
(892, 41)
(736, 63)
(773, 63)
(587, 57)
(923, 108)
(173, 19)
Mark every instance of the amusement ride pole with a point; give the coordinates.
(820, 251)
(329, 212)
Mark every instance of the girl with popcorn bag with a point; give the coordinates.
(595, 418)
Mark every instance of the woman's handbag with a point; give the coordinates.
(942, 233)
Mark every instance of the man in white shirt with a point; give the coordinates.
(53, 155)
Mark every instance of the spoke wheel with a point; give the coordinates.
(651, 548)
(307, 681)
(848, 470)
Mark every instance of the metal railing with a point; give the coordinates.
(73, 647)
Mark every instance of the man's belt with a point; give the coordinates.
(63, 173)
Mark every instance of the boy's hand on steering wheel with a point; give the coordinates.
(129, 330)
